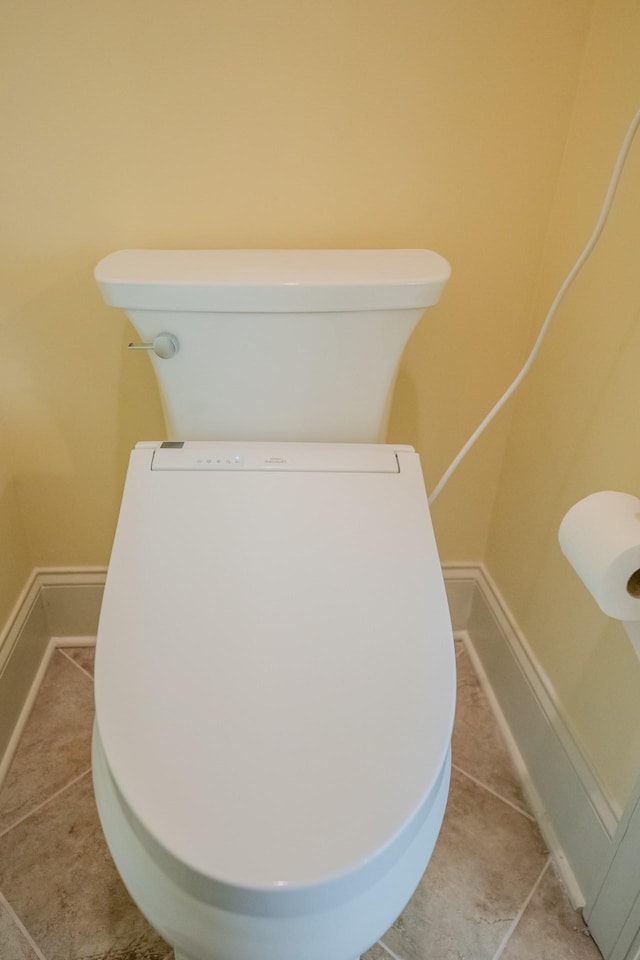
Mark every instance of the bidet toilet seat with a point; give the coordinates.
(274, 670)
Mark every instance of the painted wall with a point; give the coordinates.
(575, 426)
(359, 123)
(289, 123)
(15, 562)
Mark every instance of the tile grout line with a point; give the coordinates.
(44, 803)
(21, 927)
(521, 912)
(494, 793)
(71, 660)
(387, 950)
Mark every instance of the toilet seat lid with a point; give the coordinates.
(275, 677)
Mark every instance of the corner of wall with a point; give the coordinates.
(55, 608)
(573, 810)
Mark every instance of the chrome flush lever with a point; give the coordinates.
(165, 346)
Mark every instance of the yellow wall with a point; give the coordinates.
(575, 429)
(354, 123)
(287, 123)
(15, 562)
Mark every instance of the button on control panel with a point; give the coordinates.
(213, 463)
(196, 459)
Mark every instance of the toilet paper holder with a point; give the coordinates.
(600, 537)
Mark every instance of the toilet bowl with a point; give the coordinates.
(275, 687)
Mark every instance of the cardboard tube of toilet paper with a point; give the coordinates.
(600, 537)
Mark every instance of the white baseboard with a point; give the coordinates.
(576, 816)
(60, 607)
(56, 608)
(71, 599)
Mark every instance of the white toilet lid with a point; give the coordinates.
(275, 678)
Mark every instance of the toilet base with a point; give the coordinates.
(199, 930)
(183, 956)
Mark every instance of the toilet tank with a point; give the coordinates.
(275, 344)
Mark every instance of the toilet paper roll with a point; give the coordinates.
(600, 537)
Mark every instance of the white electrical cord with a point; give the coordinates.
(593, 239)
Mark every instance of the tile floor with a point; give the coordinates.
(490, 890)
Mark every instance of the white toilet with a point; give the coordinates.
(275, 674)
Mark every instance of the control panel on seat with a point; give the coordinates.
(329, 457)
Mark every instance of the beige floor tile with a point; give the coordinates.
(83, 656)
(59, 878)
(57, 874)
(478, 747)
(376, 952)
(550, 928)
(56, 743)
(486, 861)
(13, 945)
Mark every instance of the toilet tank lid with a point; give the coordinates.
(272, 280)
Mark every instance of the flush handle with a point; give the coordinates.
(165, 346)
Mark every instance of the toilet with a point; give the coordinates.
(275, 672)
